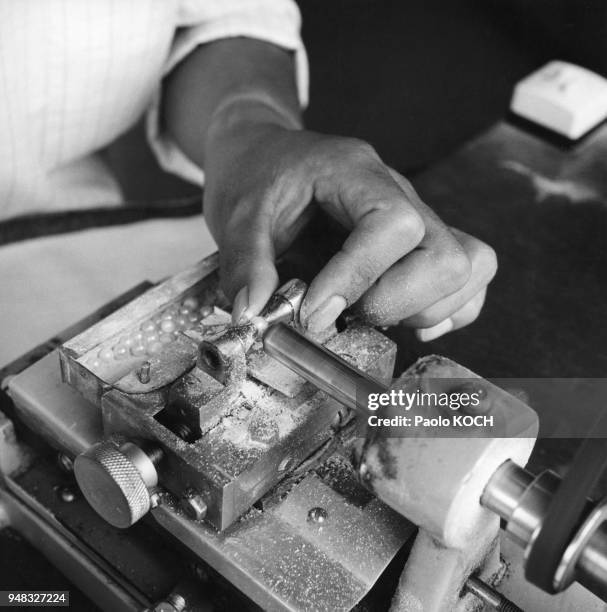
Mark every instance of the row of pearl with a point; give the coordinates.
(157, 332)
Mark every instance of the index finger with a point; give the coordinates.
(386, 226)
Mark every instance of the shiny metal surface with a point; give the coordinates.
(284, 305)
(592, 564)
(321, 367)
(525, 514)
(114, 484)
(490, 596)
(565, 572)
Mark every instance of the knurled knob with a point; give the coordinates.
(115, 480)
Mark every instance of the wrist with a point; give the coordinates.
(248, 113)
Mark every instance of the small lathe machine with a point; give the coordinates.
(164, 459)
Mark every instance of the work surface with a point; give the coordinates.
(544, 211)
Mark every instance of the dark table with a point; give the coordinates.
(543, 208)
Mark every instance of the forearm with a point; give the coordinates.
(225, 83)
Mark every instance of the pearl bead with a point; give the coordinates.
(106, 354)
(182, 322)
(138, 349)
(148, 326)
(166, 338)
(149, 338)
(121, 351)
(154, 348)
(193, 317)
(168, 325)
(191, 302)
(205, 311)
(167, 316)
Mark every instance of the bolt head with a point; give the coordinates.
(194, 506)
(317, 515)
(65, 463)
(165, 606)
(66, 494)
(155, 500)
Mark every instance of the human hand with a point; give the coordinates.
(400, 262)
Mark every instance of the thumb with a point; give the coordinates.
(247, 271)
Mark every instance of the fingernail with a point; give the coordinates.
(240, 312)
(326, 314)
(431, 333)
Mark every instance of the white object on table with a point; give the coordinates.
(562, 97)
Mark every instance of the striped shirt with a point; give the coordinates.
(75, 74)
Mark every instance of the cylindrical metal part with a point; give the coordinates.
(284, 305)
(490, 596)
(320, 366)
(591, 569)
(524, 508)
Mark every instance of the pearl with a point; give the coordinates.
(138, 349)
(168, 325)
(191, 302)
(184, 311)
(149, 338)
(205, 311)
(167, 316)
(182, 322)
(193, 318)
(121, 351)
(154, 348)
(106, 354)
(96, 364)
(148, 326)
(166, 338)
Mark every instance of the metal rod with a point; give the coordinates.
(522, 500)
(490, 596)
(320, 366)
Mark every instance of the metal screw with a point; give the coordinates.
(143, 373)
(66, 494)
(183, 431)
(340, 416)
(490, 596)
(285, 464)
(317, 515)
(173, 603)
(65, 462)
(194, 505)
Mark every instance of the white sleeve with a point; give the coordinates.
(201, 21)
